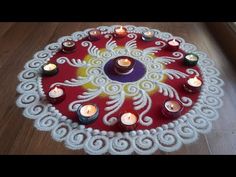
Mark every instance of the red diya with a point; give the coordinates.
(56, 94)
(68, 46)
(94, 35)
(124, 65)
(173, 45)
(172, 108)
(128, 121)
(193, 84)
(120, 32)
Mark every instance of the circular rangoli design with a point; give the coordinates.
(88, 76)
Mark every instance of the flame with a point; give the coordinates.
(129, 114)
(195, 79)
(88, 109)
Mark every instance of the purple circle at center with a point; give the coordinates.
(137, 73)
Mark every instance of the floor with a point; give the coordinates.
(19, 41)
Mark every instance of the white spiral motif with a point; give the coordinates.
(189, 48)
(145, 144)
(160, 44)
(213, 101)
(73, 106)
(165, 36)
(34, 64)
(27, 75)
(86, 44)
(132, 35)
(112, 88)
(147, 85)
(26, 99)
(168, 141)
(146, 59)
(93, 71)
(109, 121)
(42, 55)
(186, 133)
(136, 53)
(132, 89)
(46, 123)
(154, 66)
(96, 62)
(141, 29)
(180, 39)
(130, 28)
(156, 32)
(78, 35)
(106, 54)
(192, 71)
(146, 120)
(200, 124)
(154, 76)
(105, 29)
(100, 81)
(34, 111)
(62, 60)
(53, 47)
(77, 138)
(186, 101)
(208, 112)
(121, 145)
(178, 55)
(215, 81)
(201, 55)
(60, 132)
(97, 145)
(27, 87)
(210, 71)
(120, 52)
(214, 90)
(206, 62)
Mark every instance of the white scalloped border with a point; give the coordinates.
(169, 137)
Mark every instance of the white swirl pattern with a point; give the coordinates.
(168, 137)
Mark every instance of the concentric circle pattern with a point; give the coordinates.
(88, 77)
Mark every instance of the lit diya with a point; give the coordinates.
(56, 94)
(120, 32)
(124, 65)
(94, 35)
(128, 121)
(193, 84)
(172, 108)
(148, 35)
(49, 69)
(190, 59)
(87, 113)
(173, 45)
(68, 46)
